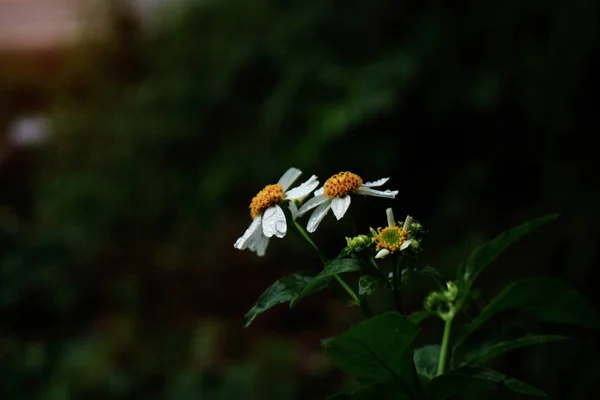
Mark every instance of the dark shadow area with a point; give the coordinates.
(118, 276)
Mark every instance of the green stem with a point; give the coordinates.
(396, 281)
(375, 267)
(304, 235)
(347, 288)
(366, 308)
(444, 347)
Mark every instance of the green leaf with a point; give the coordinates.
(433, 274)
(426, 360)
(366, 285)
(284, 290)
(485, 254)
(419, 316)
(472, 379)
(487, 351)
(385, 391)
(335, 267)
(373, 349)
(546, 299)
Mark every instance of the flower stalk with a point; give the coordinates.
(306, 238)
(444, 347)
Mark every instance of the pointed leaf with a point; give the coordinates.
(385, 391)
(485, 254)
(426, 360)
(488, 351)
(546, 299)
(472, 379)
(372, 350)
(408, 382)
(419, 316)
(284, 290)
(335, 267)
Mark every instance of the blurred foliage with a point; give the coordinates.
(121, 248)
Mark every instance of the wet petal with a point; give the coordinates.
(367, 191)
(340, 205)
(317, 216)
(247, 237)
(378, 182)
(302, 190)
(382, 253)
(260, 245)
(312, 203)
(293, 209)
(289, 177)
(273, 222)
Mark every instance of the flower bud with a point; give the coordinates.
(442, 302)
(358, 242)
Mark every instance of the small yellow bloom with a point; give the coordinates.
(393, 238)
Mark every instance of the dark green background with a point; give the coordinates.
(118, 278)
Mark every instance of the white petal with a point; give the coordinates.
(255, 240)
(382, 253)
(260, 245)
(407, 222)
(320, 191)
(312, 203)
(378, 182)
(390, 217)
(367, 191)
(273, 222)
(289, 177)
(405, 245)
(302, 190)
(340, 205)
(317, 216)
(243, 242)
(293, 209)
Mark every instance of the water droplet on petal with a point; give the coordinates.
(281, 226)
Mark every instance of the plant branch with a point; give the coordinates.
(444, 347)
(306, 238)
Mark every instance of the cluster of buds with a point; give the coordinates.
(358, 243)
(443, 302)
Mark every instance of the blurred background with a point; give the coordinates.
(133, 135)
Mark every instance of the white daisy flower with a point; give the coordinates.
(335, 195)
(394, 237)
(268, 219)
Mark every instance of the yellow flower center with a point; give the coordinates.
(390, 238)
(341, 184)
(269, 196)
